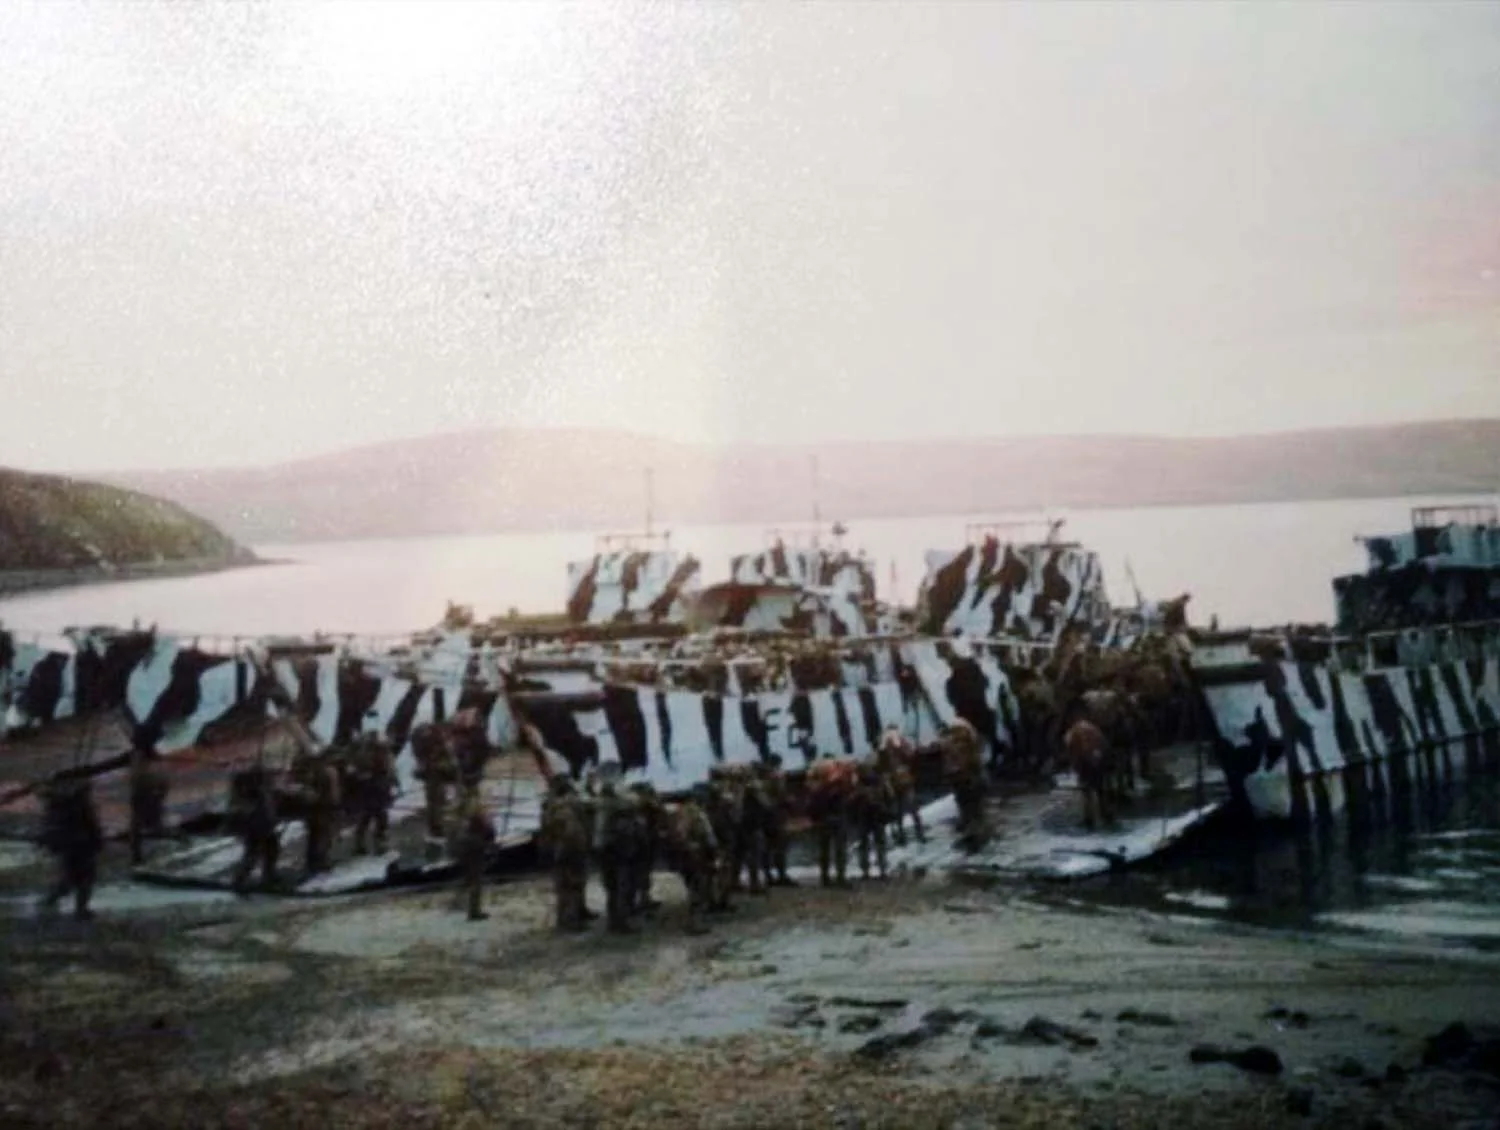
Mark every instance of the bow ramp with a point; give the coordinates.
(1042, 835)
(512, 790)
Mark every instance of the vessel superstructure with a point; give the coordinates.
(1402, 693)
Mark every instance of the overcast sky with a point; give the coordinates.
(236, 234)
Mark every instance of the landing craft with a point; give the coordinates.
(1401, 696)
(641, 669)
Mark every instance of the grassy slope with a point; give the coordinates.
(52, 522)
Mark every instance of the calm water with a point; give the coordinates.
(1431, 872)
(1247, 564)
(1435, 872)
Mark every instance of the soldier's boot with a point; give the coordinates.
(137, 842)
(474, 881)
(697, 904)
(61, 887)
(645, 904)
(916, 821)
(841, 857)
(239, 882)
(361, 835)
(310, 836)
(880, 856)
(436, 825)
(83, 892)
(825, 857)
(760, 864)
(270, 854)
(778, 861)
(382, 831)
(619, 922)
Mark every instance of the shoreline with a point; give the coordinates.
(27, 582)
(906, 1003)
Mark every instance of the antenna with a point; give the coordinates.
(817, 512)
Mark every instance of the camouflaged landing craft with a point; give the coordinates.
(798, 583)
(1030, 590)
(1404, 694)
(632, 579)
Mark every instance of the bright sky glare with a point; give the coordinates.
(232, 234)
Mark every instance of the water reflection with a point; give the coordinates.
(1431, 867)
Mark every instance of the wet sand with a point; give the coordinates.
(909, 1003)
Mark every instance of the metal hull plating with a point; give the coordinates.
(1313, 739)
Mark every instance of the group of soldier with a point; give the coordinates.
(732, 833)
(355, 783)
(73, 832)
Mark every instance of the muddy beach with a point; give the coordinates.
(907, 1003)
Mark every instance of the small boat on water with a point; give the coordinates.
(1401, 696)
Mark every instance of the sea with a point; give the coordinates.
(1433, 874)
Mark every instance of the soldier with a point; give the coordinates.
(476, 832)
(721, 806)
(253, 817)
(317, 782)
(829, 785)
(437, 770)
(471, 747)
(615, 842)
(564, 840)
(893, 758)
(694, 850)
(756, 819)
(869, 811)
(72, 833)
(373, 782)
(773, 785)
(963, 769)
(653, 816)
(148, 795)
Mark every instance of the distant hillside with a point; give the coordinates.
(499, 480)
(48, 522)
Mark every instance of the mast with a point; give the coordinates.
(650, 492)
(817, 511)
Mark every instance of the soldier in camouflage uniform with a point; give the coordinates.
(963, 770)
(870, 811)
(830, 787)
(71, 831)
(654, 831)
(893, 757)
(694, 852)
(148, 797)
(471, 845)
(615, 842)
(437, 769)
(564, 840)
(324, 812)
(471, 747)
(723, 810)
(756, 817)
(316, 780)
(372, 780)
(778, 804)
(253, 817)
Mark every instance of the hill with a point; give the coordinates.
(510, 479)
(51, 523)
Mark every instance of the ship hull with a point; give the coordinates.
(1301, 740)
